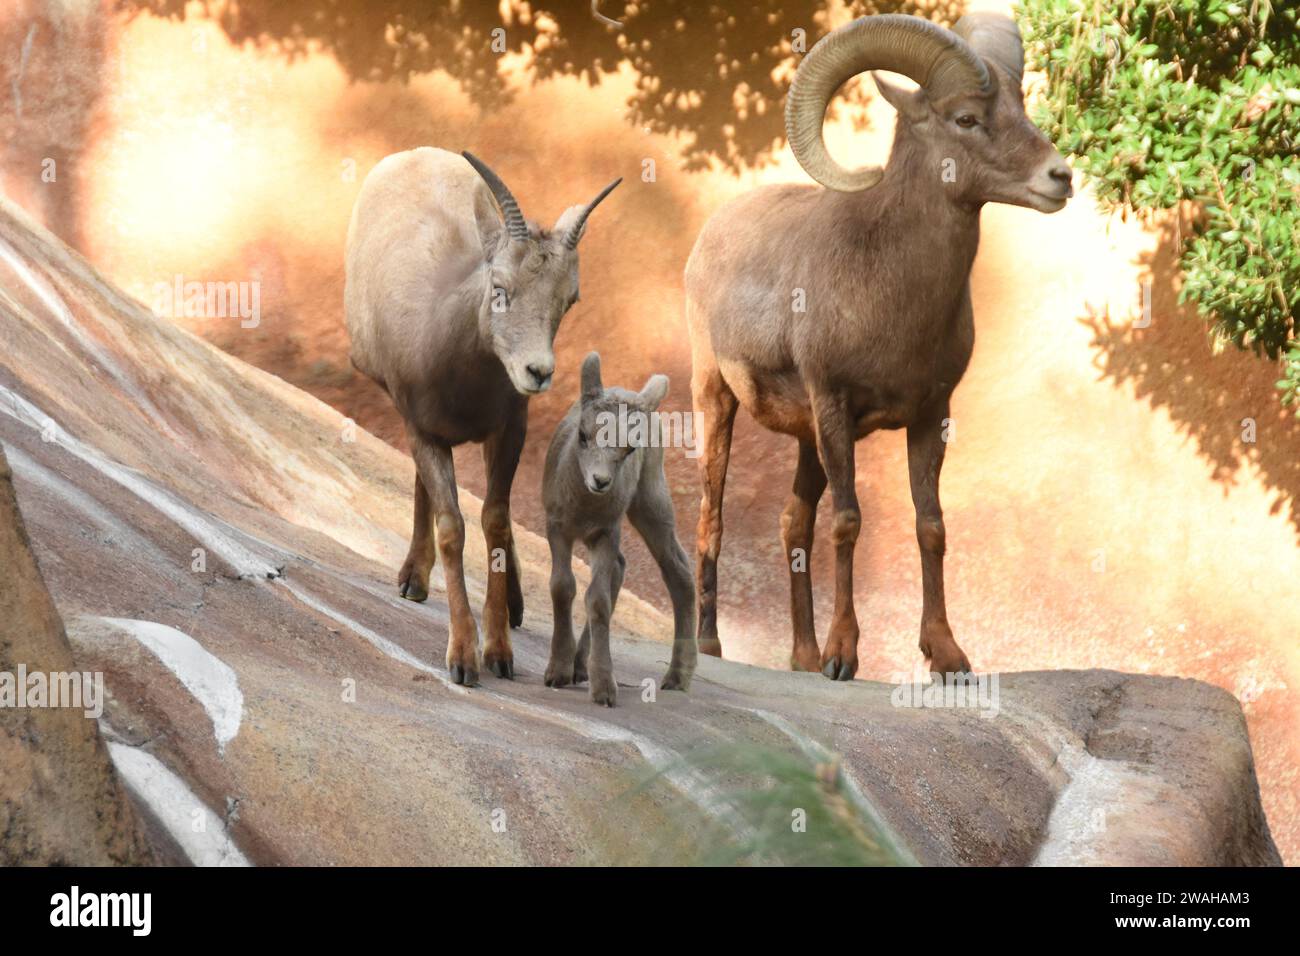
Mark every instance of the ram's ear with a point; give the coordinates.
(912, 105)
(653, 393)
(591, 386)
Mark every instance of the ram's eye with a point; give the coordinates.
(967, 120)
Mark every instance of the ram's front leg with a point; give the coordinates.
(600, 608)
(835, 441)
(925, 447)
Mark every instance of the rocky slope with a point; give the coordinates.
(223, 547)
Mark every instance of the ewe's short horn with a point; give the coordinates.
(939, 60)
(996, 38)
(515, 224)
(575, 231)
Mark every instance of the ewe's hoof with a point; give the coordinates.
(412, 591)
(711, 646)
(467, 676)
(502, 667)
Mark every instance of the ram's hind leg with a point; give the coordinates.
(413, 578)
(797, 522)
(715, 408)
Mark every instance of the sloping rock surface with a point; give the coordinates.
(223, 547)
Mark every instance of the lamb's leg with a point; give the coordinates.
(925, 448)
(715, 408)
(413, 579)
(600, 608)
(584, 643)
(651, 513)
(501, 455)
(560, 668)
(797, 522)
(835, 441)
(438, 473)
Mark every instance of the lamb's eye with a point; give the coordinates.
(967, 120)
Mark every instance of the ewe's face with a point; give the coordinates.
(534, 283)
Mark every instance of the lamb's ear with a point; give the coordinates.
(653, 393)
(591, 387)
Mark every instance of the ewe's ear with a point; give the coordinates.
(911, 104)
(653, 393)
(568, 219)
(591, 387)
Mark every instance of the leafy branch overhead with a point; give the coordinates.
(713, 72)
(1171, 101)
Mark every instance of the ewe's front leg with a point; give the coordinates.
(413, 578)
(501, 455)
(560, 668)
(600, 608)
(438, 474)
(925, 448)
(835, 441)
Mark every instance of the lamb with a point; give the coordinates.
(832, 312)
(453, 309)
(595, 473)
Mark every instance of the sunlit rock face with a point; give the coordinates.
(1116, 496)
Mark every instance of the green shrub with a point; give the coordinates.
(1166, 101)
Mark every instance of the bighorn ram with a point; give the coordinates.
(454, 312)
(831, 312)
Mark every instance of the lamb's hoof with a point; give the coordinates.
(839, 670)
(558, 674)
(711, 646)
(604, 692)
(579, 672)
(675, 680)
(503, 667)
(414, 591)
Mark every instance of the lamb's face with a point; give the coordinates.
(613, 425)
(610, 431)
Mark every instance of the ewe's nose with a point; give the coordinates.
(539, 374)
(1063, 176)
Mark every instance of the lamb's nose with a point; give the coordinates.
(540, 374)
(600, 482)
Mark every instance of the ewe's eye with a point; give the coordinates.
(582, 439)
(500, 299)
(967, 120)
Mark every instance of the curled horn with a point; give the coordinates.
(996, 38)
(938, 59)
(515, 224)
